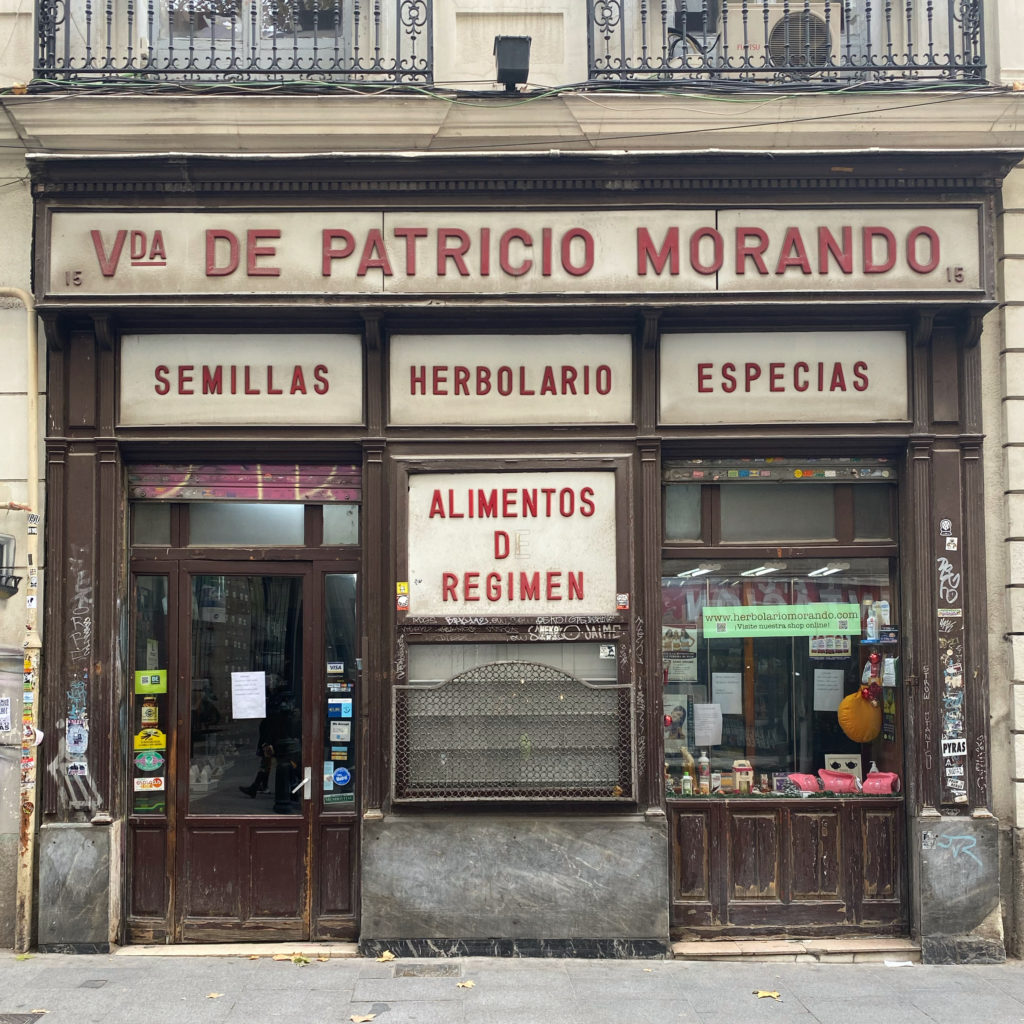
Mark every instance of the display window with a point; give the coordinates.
(781, 665)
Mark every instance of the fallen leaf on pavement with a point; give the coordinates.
(362, 1018)
(299, 959)
(215, 995)
(255, 956)
(322, 959)
(281, 956)
(648, 970)
(763, 994)
(466, 984)
(24, 956)
(385, 956)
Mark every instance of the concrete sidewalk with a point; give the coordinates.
(200, 989)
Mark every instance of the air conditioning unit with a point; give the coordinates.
(772, 37)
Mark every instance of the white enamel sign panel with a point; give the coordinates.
(513, 252)
(484, 380)
(535, 543)
(784, 377)
(237, 379)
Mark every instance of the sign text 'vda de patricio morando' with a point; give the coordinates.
(512, 543)
(503, 252)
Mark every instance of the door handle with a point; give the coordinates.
(305, 784)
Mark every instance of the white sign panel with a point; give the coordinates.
(238, 379)
(556, 378)
(604, 251)
(248, 695)
(512, 543)
(784, 377)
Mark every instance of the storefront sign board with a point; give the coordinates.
(237, 379)
(538, 543)
(784, 377)
(603, 251)
(536, 379)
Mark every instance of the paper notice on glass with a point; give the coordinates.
(707, 725)
(889, 672)
(5, 714)
(828, 688)
(248, 695)
(727, 691)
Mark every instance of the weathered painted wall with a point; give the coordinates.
(15, 215)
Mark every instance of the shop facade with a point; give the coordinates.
(425, 527)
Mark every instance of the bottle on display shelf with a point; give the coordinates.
(872, 624)
(704, 772)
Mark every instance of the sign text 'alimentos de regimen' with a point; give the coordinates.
(512, 543)
(551, 252)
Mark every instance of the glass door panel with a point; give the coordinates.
(151, 718)
(340, 724)
(245, 754)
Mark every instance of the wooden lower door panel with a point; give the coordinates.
(692, 897)
(882, 890)
(335, 865)
(243, 878)
(149, 883)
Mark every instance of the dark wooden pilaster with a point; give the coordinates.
(83, 677)
(976, 675)
(648, 668)
(919, 640)
(376, 627)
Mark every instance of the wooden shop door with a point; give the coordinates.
(245, 765)
(245, 705)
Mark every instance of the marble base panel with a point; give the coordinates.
(74, 888)
(583, 949)
(958, 878)
(526, 883)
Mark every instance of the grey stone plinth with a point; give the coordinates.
(74, 888)
(958, 875)
(490, 877)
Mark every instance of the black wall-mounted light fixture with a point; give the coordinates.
(512, 57)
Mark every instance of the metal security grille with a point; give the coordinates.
(513, 730)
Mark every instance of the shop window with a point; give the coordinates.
(873, 512)
(682, 511)
(513, 722)
(151, 523)
(843, 500)
(223, 523)
(757, 655)
(767, 512)
(341, 524)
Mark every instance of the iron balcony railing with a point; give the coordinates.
(355, 41)
(814, 43)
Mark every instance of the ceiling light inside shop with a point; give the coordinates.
(828, 570)
(764, 570)
(702, 570)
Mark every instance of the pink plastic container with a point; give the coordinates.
(882, 782)
(838, 782)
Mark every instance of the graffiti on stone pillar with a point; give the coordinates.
(69, 765)
(952, 709)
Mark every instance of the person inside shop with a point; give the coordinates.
(279, 747)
